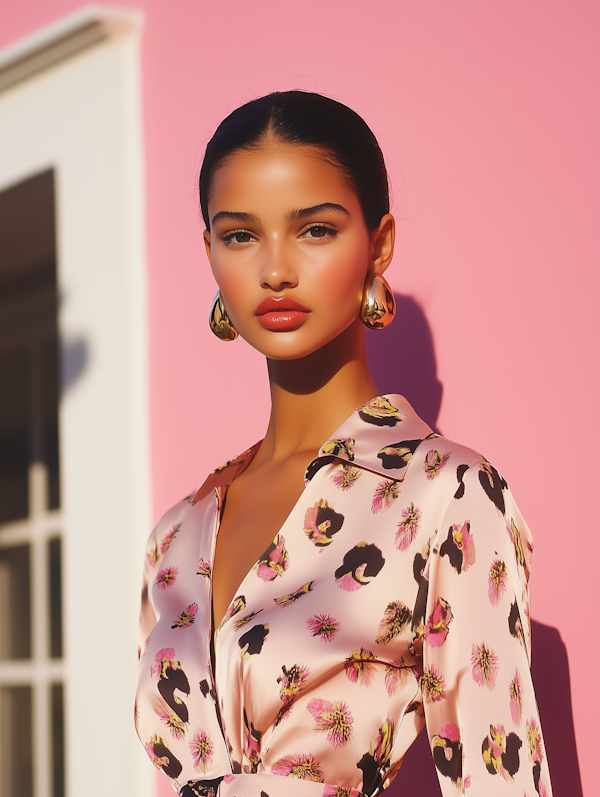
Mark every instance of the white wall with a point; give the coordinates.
(81, 116)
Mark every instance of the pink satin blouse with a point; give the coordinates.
(393, 597)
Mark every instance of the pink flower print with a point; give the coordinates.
(396, 676)
(497, 581)
(251, 751)
(339, 791)
(395, 619)
(237, 605)
(202, 749)
(342, 448)
(292, 597)
(166, 577)
(515, 690)
(321, 522)
(359, 667)
(302, 765)
(459, 547)
(534, 737)
(384, 496)
(345, 475)
(152, 555)
(381, 744)
(433, 685)
(500, 752)
(187, 616)
(275, 560)
(292, 681)
(204, 569)
(168, 538)
(408, 527)
(515, 537)
(485, 665)
(245, 620)
(323, 626)
(164, 658)
(160, 762)
(434, 462)
(436, 628)
(333, 718)
(169, 718)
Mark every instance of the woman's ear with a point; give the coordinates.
(207, 245)
(382, 244)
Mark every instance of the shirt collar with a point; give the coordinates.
(380, 436)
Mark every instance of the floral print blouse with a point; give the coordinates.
(393, 597)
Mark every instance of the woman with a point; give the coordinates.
(369, 577)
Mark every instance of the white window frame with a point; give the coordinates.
(70, 101)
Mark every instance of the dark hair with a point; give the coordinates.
(305, 118)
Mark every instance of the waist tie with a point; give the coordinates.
(264, 785)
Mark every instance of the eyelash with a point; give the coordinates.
(331, 232)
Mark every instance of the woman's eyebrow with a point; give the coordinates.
(232, 215)
(302, 213)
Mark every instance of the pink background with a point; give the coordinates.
(489, 117)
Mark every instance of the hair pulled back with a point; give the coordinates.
(309, 119)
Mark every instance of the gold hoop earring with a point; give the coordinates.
(219, 322)
(378, 306)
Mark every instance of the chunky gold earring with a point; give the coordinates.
(219, 322)
(378, 306)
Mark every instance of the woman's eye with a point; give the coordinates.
(319, 231)
(238, 237)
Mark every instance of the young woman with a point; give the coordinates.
(353, 577)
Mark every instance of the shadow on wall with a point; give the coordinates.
(553, 690)
(402, 360)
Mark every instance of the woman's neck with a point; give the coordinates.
(311, 396)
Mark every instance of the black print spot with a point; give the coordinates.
(206, 689)
(398, 455)
(254, 639)
(493, 485)
(372, 779)
(419, 563)
(460, 472)
(515, 626)
(447, 756)
(316, 466)
(450, 549)
(361, 564)
(175, 679)
(201, 788)
(510, 759)
(537, 773)
(335, 519)
(173, 767)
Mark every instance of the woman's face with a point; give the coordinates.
(289, 248)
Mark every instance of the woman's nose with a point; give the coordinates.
(277, 272)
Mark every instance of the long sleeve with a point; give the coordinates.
(480, 708)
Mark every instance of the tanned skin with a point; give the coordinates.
(284, 222)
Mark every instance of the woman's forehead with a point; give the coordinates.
(302, 175)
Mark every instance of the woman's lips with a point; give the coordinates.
(281, 313)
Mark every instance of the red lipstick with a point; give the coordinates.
(281, 313)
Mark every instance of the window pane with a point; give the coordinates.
(55, 597)
(15, 606)
(50, 411)
(14, 435)
(58, 740)
(16, 761)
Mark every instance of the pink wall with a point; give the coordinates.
(489, 117)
